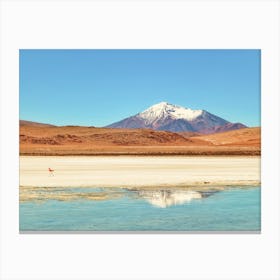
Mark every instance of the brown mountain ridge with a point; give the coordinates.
(47, 139)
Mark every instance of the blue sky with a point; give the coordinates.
(99, 87)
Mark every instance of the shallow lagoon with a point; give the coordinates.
(117, 209)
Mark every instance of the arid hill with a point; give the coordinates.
(45, 139)
(240, 137)
(29, 123)
(100, 136)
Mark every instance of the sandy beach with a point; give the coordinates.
(137, 171)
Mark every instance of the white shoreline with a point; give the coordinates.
(130, 171)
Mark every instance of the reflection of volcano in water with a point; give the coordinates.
(166, 198)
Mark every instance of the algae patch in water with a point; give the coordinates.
(40, 194)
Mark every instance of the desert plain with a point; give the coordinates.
(139, 171)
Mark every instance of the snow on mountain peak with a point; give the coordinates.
(164, 110)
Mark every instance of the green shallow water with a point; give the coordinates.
(232, 209)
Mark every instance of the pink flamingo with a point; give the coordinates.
(51, 171)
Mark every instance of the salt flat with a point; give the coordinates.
(138, 171)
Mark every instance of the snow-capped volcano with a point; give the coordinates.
(164, 109)
(166, 116)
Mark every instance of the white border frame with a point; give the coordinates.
(252, 24)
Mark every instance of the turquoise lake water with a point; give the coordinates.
(232, 209)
